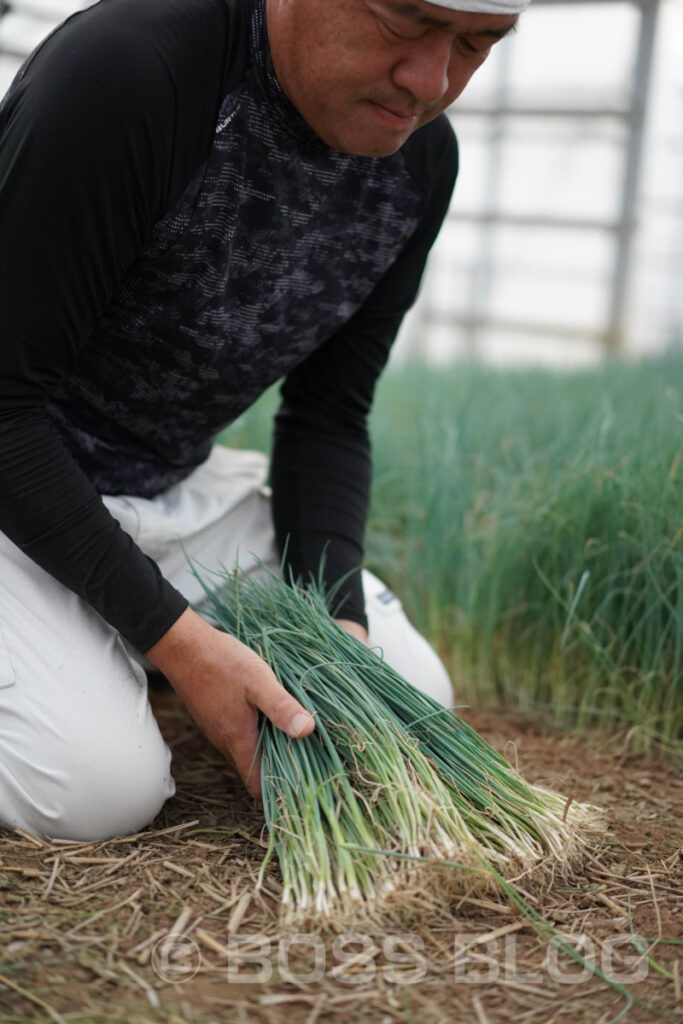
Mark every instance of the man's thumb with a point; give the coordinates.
(302, 724)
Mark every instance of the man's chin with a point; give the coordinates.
(374, 151)
(361, 144)
(370, 132)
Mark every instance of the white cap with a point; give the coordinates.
(484, 6)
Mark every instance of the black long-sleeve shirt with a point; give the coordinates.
(173, 239)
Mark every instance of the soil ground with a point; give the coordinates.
(156, 927)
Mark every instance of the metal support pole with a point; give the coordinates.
(631, 180)
(483, 271)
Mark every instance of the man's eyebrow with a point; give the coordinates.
(497, 33)
(412, 11)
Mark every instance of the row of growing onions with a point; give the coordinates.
(363, 812)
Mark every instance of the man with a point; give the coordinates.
(197, 197)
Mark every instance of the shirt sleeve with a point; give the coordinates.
(98, 135)
(321, 463)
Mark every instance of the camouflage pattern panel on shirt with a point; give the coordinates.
(274, 244)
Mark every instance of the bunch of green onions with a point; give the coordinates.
(365, 810)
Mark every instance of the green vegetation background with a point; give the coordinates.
(532, 524)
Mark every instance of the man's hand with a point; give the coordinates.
(223, 684)
(355, 629)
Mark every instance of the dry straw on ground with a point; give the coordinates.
(140, 928)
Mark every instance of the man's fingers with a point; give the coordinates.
(354, 629)
(283, 710)
(247, 761)
(224, 684)
(302, 724)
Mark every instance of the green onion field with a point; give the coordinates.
(532, 524)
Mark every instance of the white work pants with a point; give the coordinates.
(81, 755)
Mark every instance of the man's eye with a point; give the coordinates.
(394, 32)
(469, 47)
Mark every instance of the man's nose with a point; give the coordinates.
(424, 68)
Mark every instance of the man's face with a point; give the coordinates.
(365, 74)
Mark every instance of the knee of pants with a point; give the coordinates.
(85, 787)
(401, 645)
(81, 755)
